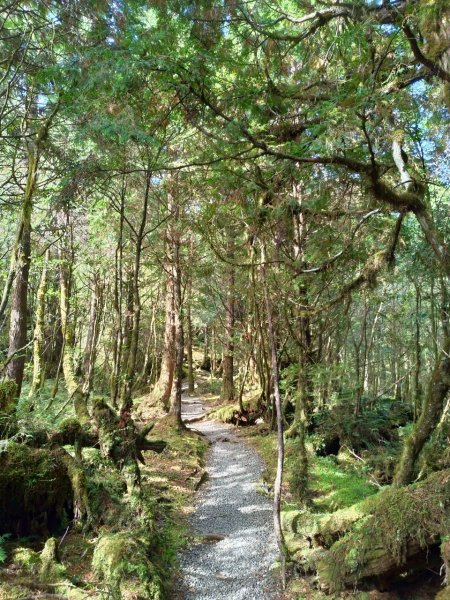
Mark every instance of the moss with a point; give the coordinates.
(105, 488)
(335, 488)
(8, 402)
(48, 412)
(8, 393)
(224, 413)
(28, 560)
(121, 561)
(43, 566)
(81, 504)
(70, 427)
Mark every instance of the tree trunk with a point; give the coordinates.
(90, 349)
(65, 256)
(135, 305)
(175, 400)
(227, 394)
(189, 340)
(277, 488)
(163, 388)
(21, 256)
(22, 260)
(303, 399)
(39, 332)
(432, 407)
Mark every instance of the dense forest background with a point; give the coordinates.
(255, 194)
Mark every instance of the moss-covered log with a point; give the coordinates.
(389, 535)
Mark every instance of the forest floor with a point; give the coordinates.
(235, 549)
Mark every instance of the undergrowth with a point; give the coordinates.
(131, 548)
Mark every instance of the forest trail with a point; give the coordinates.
(234, 561)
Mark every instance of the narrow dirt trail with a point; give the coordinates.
(235, 560)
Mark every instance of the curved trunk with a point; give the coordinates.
(432, 407)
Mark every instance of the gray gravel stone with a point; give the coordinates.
(235, 565)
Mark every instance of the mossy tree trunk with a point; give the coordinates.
(163, 387)
(65, 256)
(90, 348)
(277, 487)
(135, 305)
(227, 393)
(439, 384)
(175, 401)
(118, 441)
(303, 400)
(117, 301)
(189, 335)
(432, 407)
(21, 253)
(39, 332)
(21, 258)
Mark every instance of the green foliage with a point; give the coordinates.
(3, 553)
(374, 426)
(48, 412)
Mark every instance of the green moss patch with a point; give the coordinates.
(121, 561)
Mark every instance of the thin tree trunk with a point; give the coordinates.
(163, 387)
(303, 399)
(417, 391)
(22, 260)
(39, 332)
(175, 401)
(280, 441)
(90, 349)
(227, 394)
(65, 256)
(135, 317)
(189, 340)
(118, 298)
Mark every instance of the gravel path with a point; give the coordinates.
(235, 563)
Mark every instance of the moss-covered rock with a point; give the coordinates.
(35, 491)
(43, 566)
(121, 561)
(8, 394)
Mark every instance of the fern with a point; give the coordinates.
(3, 553)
